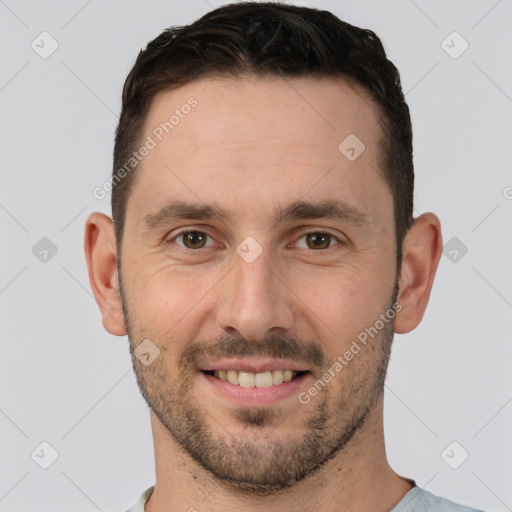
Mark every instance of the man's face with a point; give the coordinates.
(256, 292)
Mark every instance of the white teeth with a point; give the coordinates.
(287, 375)
(258, 380)
(246, 379)
(277, 377)
(263, 380)
(232, 377)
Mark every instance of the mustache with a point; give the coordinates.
(277, 346)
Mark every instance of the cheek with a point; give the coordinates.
(166, 300)
(346, 300)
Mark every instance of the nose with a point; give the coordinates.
(254, 299)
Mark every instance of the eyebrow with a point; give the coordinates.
(298, 210)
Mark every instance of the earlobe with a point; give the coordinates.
(421, 252)
(101, 256)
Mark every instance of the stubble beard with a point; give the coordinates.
(259, 460)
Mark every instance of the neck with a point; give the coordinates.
(357, 479)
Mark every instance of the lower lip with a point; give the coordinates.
(256, 396)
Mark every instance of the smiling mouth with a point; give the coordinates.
(255, 380)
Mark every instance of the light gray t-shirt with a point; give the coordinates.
(416, 500)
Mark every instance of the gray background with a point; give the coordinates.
(66, 381)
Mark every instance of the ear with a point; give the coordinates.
(421, 252)
(101, 256)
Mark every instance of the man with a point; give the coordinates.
(261, 255)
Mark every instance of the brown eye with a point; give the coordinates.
(318, 240)
(193, 239)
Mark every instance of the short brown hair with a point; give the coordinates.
(270, 39)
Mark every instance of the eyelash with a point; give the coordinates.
(337, 239)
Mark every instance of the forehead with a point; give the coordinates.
(304, 109)
(259, 137)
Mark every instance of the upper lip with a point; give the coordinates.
(254, 365)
